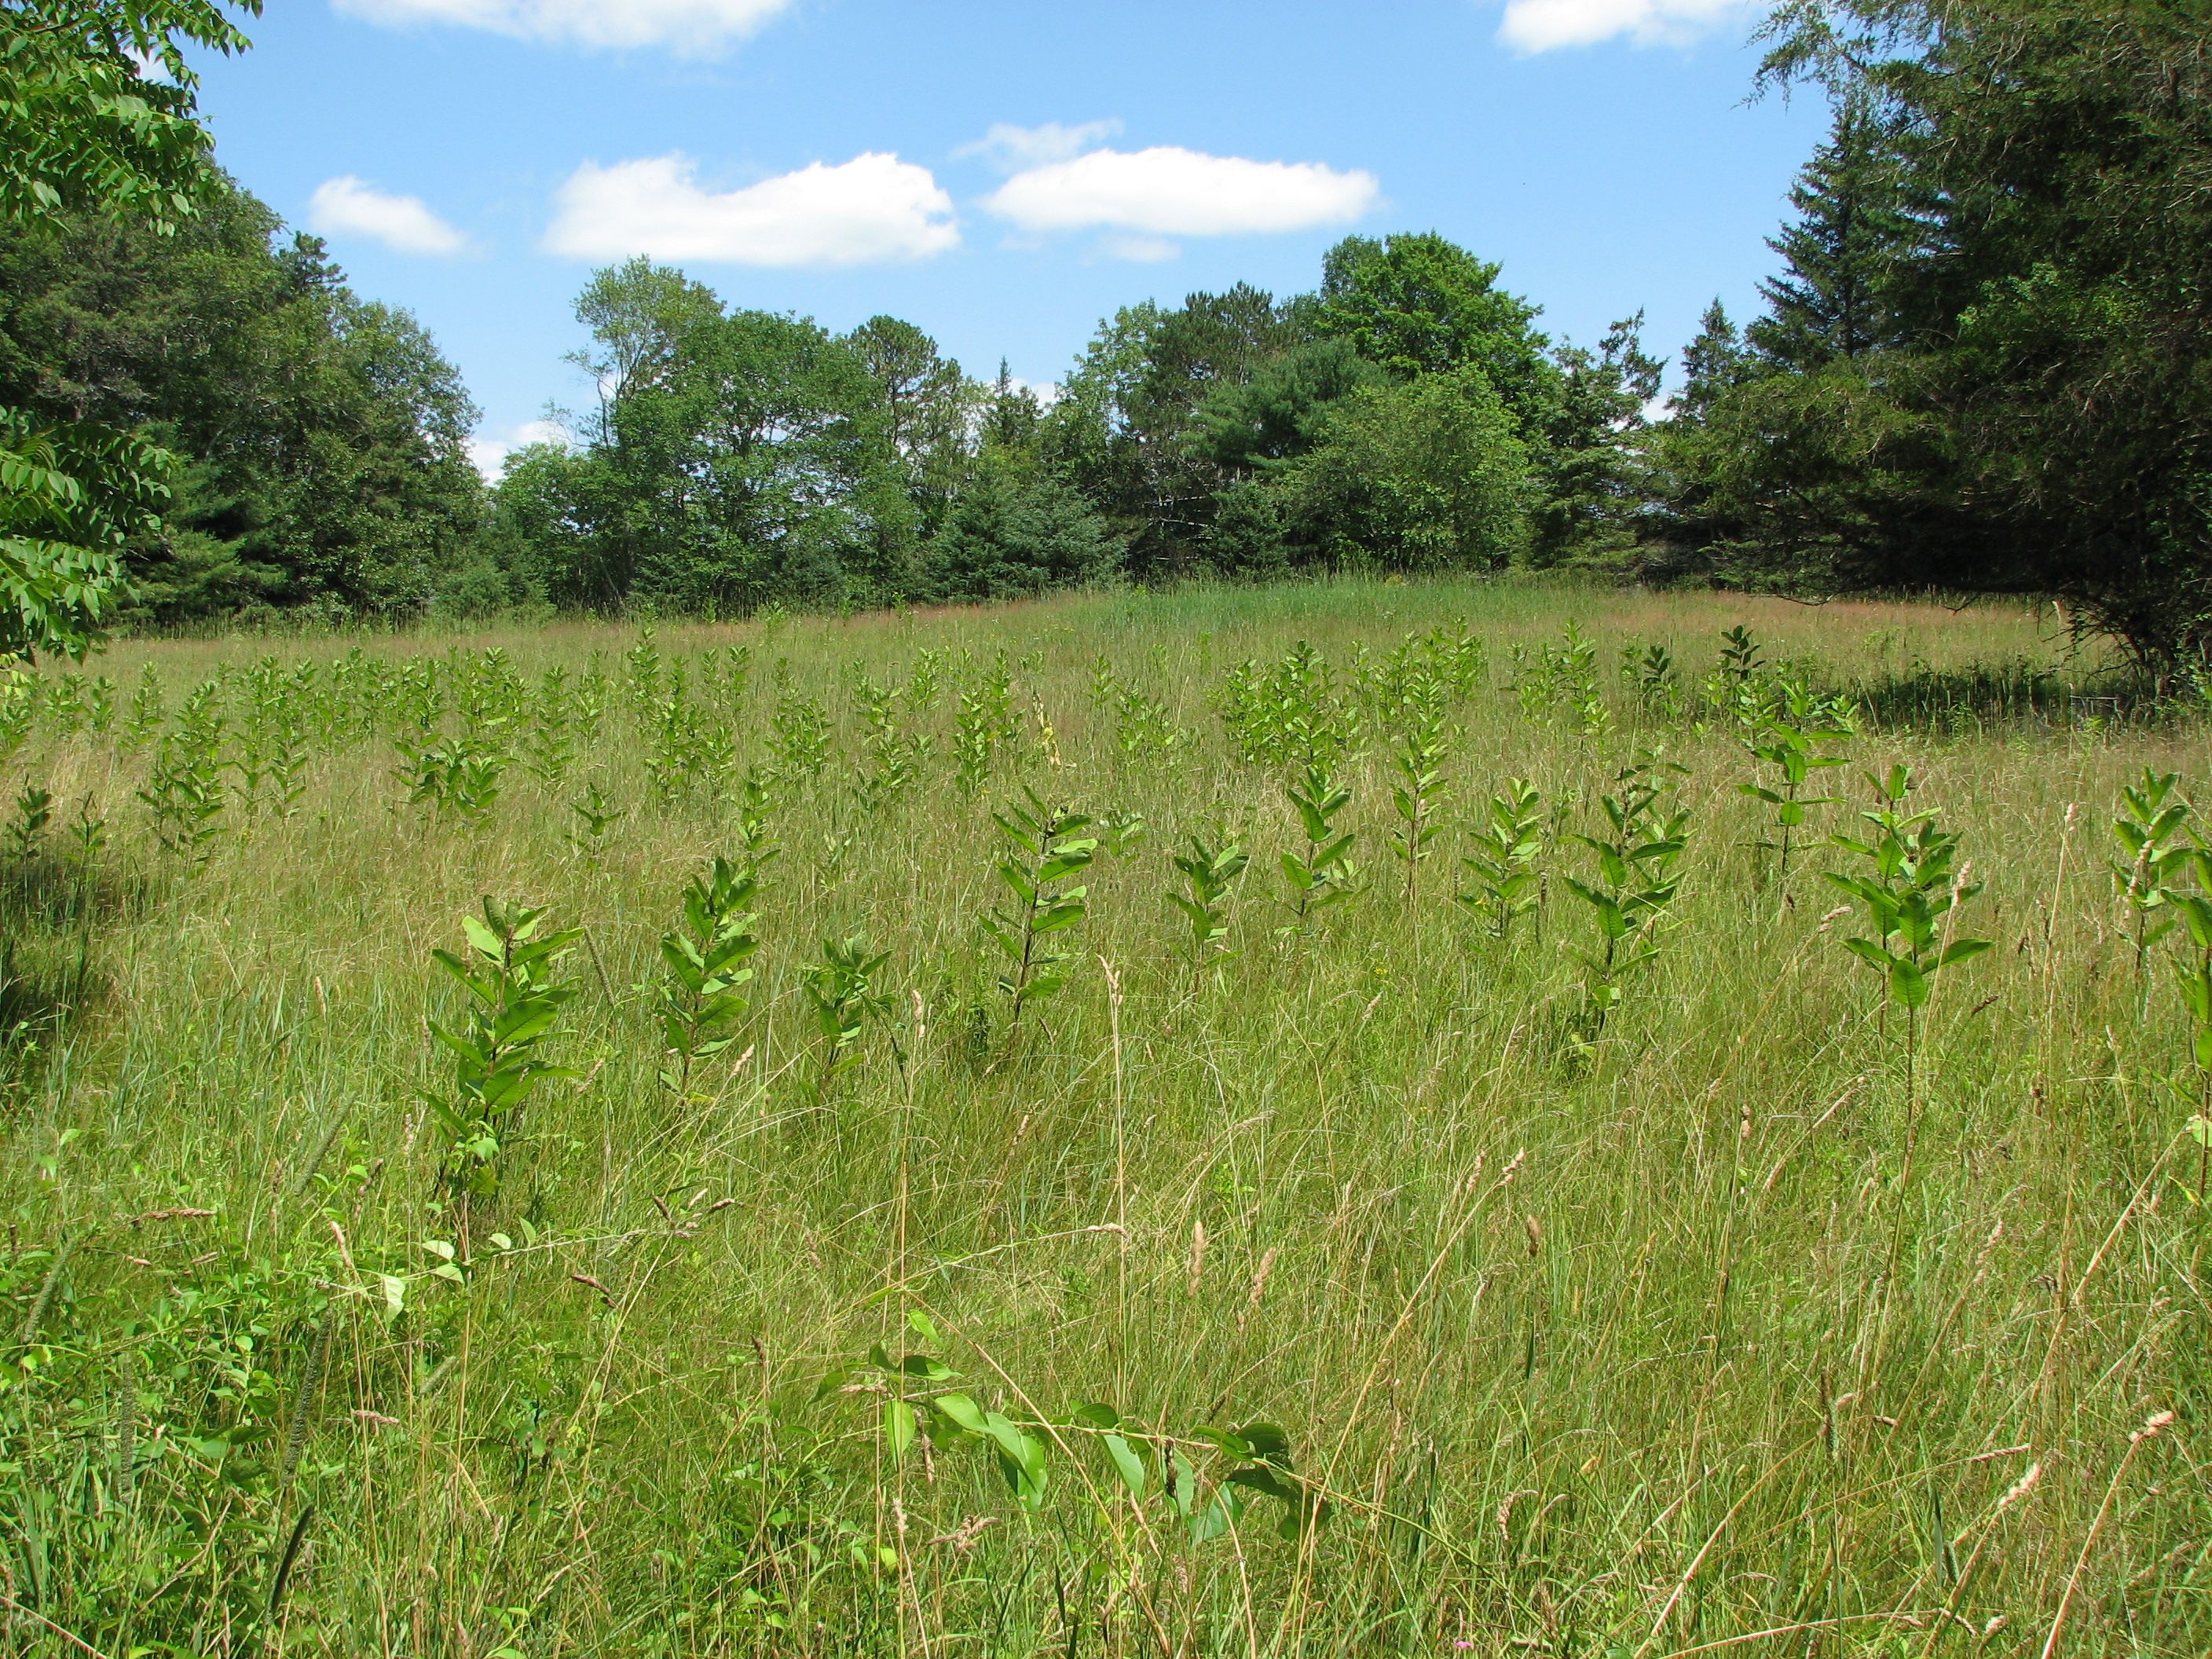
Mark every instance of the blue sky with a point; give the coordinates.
(1003, 174)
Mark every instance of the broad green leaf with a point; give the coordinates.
(1127, 1464)
(1963, 950)
(1908, 984)
(962, 1413)
(900, 1426)
(1219, 1515)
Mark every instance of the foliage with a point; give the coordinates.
(2150, 830)
(1788, 741)
(1323, 874)
(1909, 896)
(1047, 851)
(80, 126)
(70, 497)
(1210, 875)
(1132, 425)
(1418, 306)
(513, 994)
(1430, 475)
(2192, 972)
(1014, 532)
(1984, 369)
(842, 992)
(1254, 1458)
(457, 776)
(184, 792)
(738, 459)
(1509, 848)
(1636, 879)
(1296, 714)
(1420, 745)
(709, 962)
(324, 437)
(983, 726)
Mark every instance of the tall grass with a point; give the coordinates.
(1638, 1336)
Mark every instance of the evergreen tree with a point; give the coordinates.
(1015, 532)
(1989, 367)
(1715, 360)
(1011, 414)
(929, 410)
(1853, 230)
(321, 438)
(1589, 455)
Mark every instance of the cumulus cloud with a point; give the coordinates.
(490, 450)
(1011, 148)
(872, 208)
(1546, 25)
(347, 207)
(690, 26)
(1170, 191)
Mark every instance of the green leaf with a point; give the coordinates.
(1963, 950)
(1021, 1458)
(1260, 1478)
(1870, 953)
(1908, 985)
(900, 1427)
(962, 1413)
(1219, 1517)
(1127, 1464)
(1265, 1442)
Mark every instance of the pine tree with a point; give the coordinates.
(1011, 414)
(1717, 360)
(1855, 229)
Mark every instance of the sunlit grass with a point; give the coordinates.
(1630, 1336)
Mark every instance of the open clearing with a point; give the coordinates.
(1695, 1323)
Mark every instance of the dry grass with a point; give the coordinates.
(1647, 1348)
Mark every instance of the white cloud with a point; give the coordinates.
(874, 207)
(1047, 393)
(1013, 148)
(490, 450)
(690, 26)
(1145, 250)
(1170, 192)
(1544, 25)
(347, 207)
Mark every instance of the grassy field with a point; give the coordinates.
(1371, 1286)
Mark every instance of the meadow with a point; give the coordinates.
(1045, 1191)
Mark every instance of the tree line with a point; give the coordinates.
(1407, 415)
(1981, 368)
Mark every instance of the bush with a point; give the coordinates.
(1426, 476)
